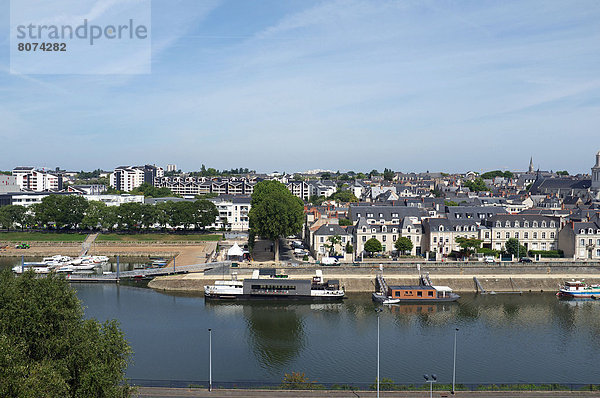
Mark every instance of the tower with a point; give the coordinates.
(531, 165)
(596, 173)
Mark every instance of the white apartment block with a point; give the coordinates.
(126, 178)
(171, 167)
(235, 210)
(8, 184)
(28, 178)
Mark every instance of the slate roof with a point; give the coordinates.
(330, 230)
(386, 211)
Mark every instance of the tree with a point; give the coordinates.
(152, 192)
(344, 222)
(513, 247)
(331, 242)
(476, 185)
(343, 196)
(11, 215)
(403, 244)
(373, 246)
(275, 212)
(468, 245)
(450, 203)
(388, 174)
(129, 216)
(48, 349)
(205, 213)
(562, 173)
(349, 248)
(61, 210)
(98, 215)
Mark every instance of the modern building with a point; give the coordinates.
(126, 178)
(31, 179)
(235, 210)
(171, 167)
(8, 184)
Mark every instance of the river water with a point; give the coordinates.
(501, 339)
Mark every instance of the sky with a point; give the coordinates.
(292, 85)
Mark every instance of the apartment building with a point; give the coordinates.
(535, 232)
(580, 240)
(439, 234)
(8, 184)
(320, 241)
(235, 210)
(387, 234)
(31, 179)
(126, 178)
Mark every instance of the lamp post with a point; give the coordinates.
(209, 359)
(433, 380)
(378, 311)
(454, 362)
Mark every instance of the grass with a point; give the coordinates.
(40, 237)
(157, 238)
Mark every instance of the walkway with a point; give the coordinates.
(87, 244)
(144, 392)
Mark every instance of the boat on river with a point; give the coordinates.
(424, 292)
(272, 286)
(579, 290)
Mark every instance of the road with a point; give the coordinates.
(147, 392)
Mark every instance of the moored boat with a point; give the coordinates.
(579, 290)
(274, 286)
(424, 292)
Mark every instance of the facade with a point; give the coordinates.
(192, 186)
(115, 200)
(30, 179)
(439, 234)
(171, 168)
(126, 178)
(8, 184)
(385, 215)
(320, 241)
(580, 240)
(235, 210)
(300, 189)
(535, 232)
(387, 234)
(596, 174)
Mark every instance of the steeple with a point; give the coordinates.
(531, 165)
(596, 173)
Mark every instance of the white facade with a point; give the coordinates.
(126, 178)
(171, 167)
(116, 200)
(235, 210)
(8, 184)
(35, 180)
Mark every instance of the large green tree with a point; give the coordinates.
(513, 247)
(61, 210)
(373, 246)
(468, 245)
(275, 212)
(403, 244)
(48, 349)
(12, 215)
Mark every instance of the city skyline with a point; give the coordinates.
(349, 85)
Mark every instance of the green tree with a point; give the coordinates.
(48, 349)
(468, 245)
(388, 174)
(344, 222)
(12, 215)
(361, 176)
(205, 213)
(275, 212)
(349, 248)
(450, 203)
(343, 196)
(373, 246)
(129, 216)
(152, 192)
(61, 210)
(562, 173)
(316, 200)
(403, 244)
(97, 216)
(513, 247)
(477, 185)
(331, 242)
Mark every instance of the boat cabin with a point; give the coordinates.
(417, 292)
(574, 285)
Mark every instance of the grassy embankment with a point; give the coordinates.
(157, 238)
(40, 237)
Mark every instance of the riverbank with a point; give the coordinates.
(460, 279)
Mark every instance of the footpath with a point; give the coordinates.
(147, 392)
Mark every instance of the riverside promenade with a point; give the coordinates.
(147, 392)
(509, 277)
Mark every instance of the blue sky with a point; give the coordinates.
(291, 85)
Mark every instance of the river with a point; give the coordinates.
(501, 339)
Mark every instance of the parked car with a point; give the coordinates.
(329, 261)
(489, 259)
(525, 260)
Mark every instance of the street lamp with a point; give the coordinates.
(433, 380)
(209, 359)
(454, 365)
(378, 311)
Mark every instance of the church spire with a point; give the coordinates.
(531, 165)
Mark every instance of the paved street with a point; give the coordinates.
(144, 392)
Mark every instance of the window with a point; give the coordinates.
(435, 239)
(535, 224)
(384, 239)
(394, 238)
(321, 239)
(598, 242)
(364, 229)
(507, 235)
(526, 235)
(516, 224)
(552, 235)
(598, 252)
(582, 242)
(543, 235)
(535, 235)
(487, 235)
(543, 224)
(526, 224)
(498, 224)
(507, 224)
(497, 235)
(419, 294)
(430, 294)
(517, 235)
(380, 215)
(441, 229)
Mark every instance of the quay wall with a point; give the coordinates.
(460, 278)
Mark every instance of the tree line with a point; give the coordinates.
(75, 212)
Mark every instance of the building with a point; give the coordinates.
(126, 178)
(439, 234)
(385, 215)
(580, 240)
(31, 179)
(87, 189)
(115, 200)
(8, 184)
(235, 210)
(171, 168)
(535, 232)
(387, 235)
(320, 241)
(596, 174)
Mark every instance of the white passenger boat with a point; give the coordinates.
(579, 290)
(275, 286)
